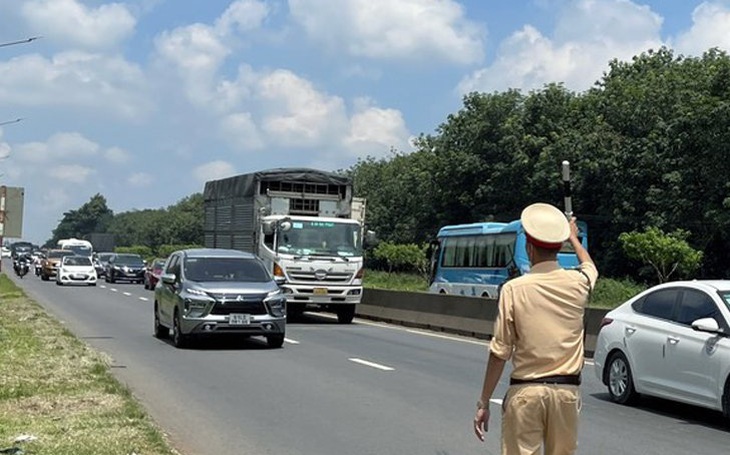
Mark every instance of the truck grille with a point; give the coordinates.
(311, 277)
(238, 303)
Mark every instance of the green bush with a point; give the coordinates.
(610, 293)
(402, 257)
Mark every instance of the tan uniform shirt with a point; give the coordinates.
(540, 321)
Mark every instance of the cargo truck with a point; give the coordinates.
(304, 224)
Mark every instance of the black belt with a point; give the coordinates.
(569, 379)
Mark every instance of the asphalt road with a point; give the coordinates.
(365, 388)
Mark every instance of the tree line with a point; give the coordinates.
(647, 146)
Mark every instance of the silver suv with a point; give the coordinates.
(215, 291)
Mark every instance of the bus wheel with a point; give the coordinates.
(442, 291)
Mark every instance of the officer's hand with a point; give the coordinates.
(573, 228)
(481, 423)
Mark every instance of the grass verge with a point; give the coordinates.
(60, 391)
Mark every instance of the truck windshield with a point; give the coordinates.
(321, 238)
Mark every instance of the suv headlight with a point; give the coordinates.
(196, 303)
(276, 303)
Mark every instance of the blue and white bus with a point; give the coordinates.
(475, 259)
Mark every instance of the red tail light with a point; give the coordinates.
(605, 322)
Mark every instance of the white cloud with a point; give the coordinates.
(243, 15)
(58, 147)
(589, 33)
(241, 131)
(54, 199)
(710, 25)
(70, 173)
(296, 113)
(140, 179)
(374, 131)
(117, 155)
(75, 79)
(387, 29)
(69, 21)
(214, 170)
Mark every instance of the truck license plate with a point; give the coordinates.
(239, 319)
(320, 291)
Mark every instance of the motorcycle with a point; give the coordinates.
(21, 266)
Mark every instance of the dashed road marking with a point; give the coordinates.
(113, 289)
(371, 364)
(290, 341)
(144, 299)
(127, 294)
(496, 401)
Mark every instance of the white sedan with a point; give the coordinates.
(671, 341)
(76, 270)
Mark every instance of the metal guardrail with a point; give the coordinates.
(469, 316)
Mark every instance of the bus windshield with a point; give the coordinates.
(321, 238)
(80, 250)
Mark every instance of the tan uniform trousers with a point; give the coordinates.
(537, 414)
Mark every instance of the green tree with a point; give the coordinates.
(93, 216)
(664, 253)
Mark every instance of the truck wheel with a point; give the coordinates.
(345, 313)
(275, 341)
(294, 311)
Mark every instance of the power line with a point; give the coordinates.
(9, 122)
(23, 41)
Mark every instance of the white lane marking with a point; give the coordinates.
(290, 341)
(589, 362)
(127, 294)
(371, 364)
(496, 401)
(103, 286)
(113, 289)
(144, 298)
(447, 337)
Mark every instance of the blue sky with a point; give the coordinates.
(144, 100)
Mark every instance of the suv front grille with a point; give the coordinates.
(238, 303)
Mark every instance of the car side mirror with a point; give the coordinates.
(168, 278)
(708, 325)
(279, 280)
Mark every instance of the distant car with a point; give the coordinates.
(76, 270)
(125, 267)
(217, 291)
(49, 265)
(103, 260)
(5, 252)
(152, 273)
(671, 341)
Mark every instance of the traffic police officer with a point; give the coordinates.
(540, 327)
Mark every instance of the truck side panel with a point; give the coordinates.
(229, 223)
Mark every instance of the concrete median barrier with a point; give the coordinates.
(469, 316)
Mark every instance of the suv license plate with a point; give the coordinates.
(320, 291)
(239, 319)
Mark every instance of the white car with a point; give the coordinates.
(5, 252)
(76, 270)
(671, 341)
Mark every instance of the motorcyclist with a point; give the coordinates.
(21, 265)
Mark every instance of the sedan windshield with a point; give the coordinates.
(226, 269)
(128, 259)
(77, 260)
(726, 298)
